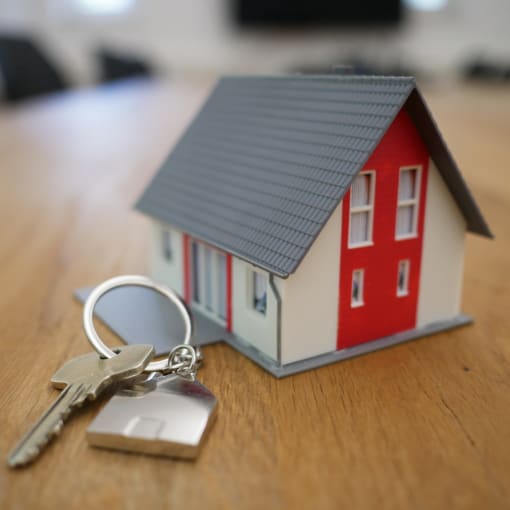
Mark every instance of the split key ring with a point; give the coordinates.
(163, 365)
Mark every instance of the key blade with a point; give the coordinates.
(129, 362)
(48, 426)
(83, 378)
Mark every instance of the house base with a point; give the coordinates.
(138, 316)
(331, 357)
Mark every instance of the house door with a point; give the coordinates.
(209, 280)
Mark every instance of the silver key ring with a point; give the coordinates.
(138, 281)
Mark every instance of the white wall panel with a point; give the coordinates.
(171, 271)
(310, 297)
(443, 254)
(253, 327)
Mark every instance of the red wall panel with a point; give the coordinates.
(384, 313)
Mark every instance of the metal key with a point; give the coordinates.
(82, 378)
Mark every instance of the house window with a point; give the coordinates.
(362, 209)
(407, 208)
(166, 245)
(209, 279)
(259, 292)
(358, 275)
(403, 278)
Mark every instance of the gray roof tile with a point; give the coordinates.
(268, 159)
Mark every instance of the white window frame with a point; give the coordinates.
(213, 291)
(361, 301)
(364, 208)
(250, 274)
(409, 202)
(406, 263)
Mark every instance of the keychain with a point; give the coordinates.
(166, 411)
(160, 409)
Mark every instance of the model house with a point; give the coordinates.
(308, 219)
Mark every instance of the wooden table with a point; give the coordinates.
(422, 425)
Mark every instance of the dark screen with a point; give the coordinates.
(316, 12)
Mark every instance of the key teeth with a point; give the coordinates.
(26, 458)
(31, 453)
(46, 439)
(26, 454)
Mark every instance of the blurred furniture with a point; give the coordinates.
(26, 70)
(487, 70)
(422, 425)
(114, 66)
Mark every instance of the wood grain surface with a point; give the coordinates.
(421, 425)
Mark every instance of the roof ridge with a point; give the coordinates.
(332, 77)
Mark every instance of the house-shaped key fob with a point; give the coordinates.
(160, 416)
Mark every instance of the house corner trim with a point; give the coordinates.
(278, 299)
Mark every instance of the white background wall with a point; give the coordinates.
(197, 36)
(443, 254)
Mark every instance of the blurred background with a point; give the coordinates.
(52, 45)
